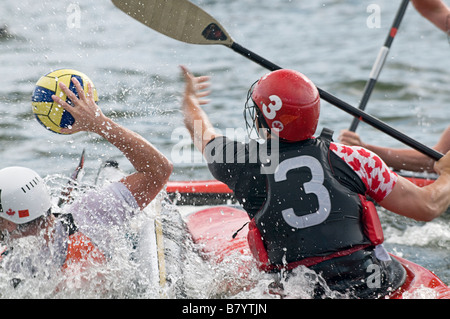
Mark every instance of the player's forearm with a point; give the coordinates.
(141, 153)
(439, 192)
(403, 159)
(198, 125)
(436, 11)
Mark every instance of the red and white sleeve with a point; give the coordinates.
(375, 174)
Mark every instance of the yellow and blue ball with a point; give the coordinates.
(47, 112)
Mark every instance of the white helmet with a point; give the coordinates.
(23, 195)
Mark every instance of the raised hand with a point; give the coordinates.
(87, 114)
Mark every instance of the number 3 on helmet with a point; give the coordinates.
(289, 103)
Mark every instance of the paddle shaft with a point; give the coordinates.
(191, 24)
(379, 62)
(357, 113)
(65, 193)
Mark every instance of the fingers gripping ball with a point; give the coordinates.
(47, 112)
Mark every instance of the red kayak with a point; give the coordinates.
(213, 229)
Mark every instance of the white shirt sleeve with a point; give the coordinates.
(102, 214)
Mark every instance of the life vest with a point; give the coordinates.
(309, 215)
(81, 252)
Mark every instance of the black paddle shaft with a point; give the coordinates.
(381, 58)
(194, 25)
(358, 113)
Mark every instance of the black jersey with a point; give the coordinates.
(308, 207)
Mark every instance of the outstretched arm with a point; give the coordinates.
(152, 167)
(422, 203)
(406, 159)
(436, 11)
(195, 119)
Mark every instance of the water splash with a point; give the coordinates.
(189, 273)
(421, 293)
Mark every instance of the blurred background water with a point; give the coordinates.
(139, 82)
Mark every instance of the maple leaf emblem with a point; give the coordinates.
(277, 126)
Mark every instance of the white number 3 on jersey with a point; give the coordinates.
(314, 186)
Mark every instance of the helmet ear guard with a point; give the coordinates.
(23, 195)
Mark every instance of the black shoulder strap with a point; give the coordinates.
(327, 134)
(68, 222)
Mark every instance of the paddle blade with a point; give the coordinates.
(177, 19)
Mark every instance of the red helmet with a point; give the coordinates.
(289, 103)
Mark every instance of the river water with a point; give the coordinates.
(136, 72)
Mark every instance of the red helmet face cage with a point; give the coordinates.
(289, 103)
